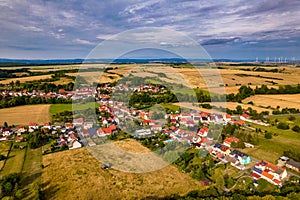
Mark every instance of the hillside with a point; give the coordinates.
(76, 174)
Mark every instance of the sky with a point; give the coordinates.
(235, 29)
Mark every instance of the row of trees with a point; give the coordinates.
(247, 91)
(25, 100)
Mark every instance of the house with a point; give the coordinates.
(3, 138)
(87, 125)
(78, 121)
(270, 172)
(21, 129)
(291, 164)
(33, 125)
(6, 132)
(228, 141)
(19, 139)
(240, 156)
(156, 128)
(75, 144)
(47, 125)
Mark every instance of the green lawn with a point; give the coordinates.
(4, 148)
(31, 173)
(272, 149)
(57, 108)
(15, 160)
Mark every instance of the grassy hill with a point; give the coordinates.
(76, 174)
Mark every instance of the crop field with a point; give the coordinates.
(25, 79)
(22, 115)
(64, 172)
(286, 100)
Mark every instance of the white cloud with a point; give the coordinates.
(81, 41)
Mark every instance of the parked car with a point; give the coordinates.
(106, 165)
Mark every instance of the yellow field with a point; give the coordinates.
(286, 100)
(75, 174)
(22, 115)
(229, 105)
(24, 79)
(204, 78)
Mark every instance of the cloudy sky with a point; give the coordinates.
(234, 29)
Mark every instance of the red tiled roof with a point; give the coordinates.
(255, 175)
(266, 174)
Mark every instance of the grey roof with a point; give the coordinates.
(293, 163)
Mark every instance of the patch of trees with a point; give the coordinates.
(10, 186)
(293, 154)
(25, 100)
(268, 135)
(283, 126)
(285, 111)
(247, 91)
(296, 128)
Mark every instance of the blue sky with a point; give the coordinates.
(50, 29)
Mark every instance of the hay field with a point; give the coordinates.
(229, 105)
(231, 76)
(98, 77)
(286, 100)
(25, 79)
(22, 115)
(76, 174)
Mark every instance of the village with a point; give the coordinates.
(192, 127)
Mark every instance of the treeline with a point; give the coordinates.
(247, 91)
(26, 100)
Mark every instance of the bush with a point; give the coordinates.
(268, 135)
(296, 128)
(283, 126)
(292, 118)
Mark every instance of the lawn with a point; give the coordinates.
(4, 148)
(57, 108)
(32, 171)
(15, 160)
(272, 149)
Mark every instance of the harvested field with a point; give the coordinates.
(286, 100)
(25, 79)
(229, 105)
(22, 115)
(64, 172)
(98, 77)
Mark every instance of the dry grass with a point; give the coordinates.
(287, 100)
(98, 77)
(22, 115)
(76, 174)
(25, 79)
(204, 78)
(229, 105)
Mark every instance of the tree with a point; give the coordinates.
(296, 128)
(5, 125)
(283, 126)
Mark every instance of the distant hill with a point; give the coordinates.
(23, 62)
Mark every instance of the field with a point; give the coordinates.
(57, 108)
(286, 100)
(272, 149)
(22, 115)
(14, 161)
(75, 174)
(25, 79)
(4, 148)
